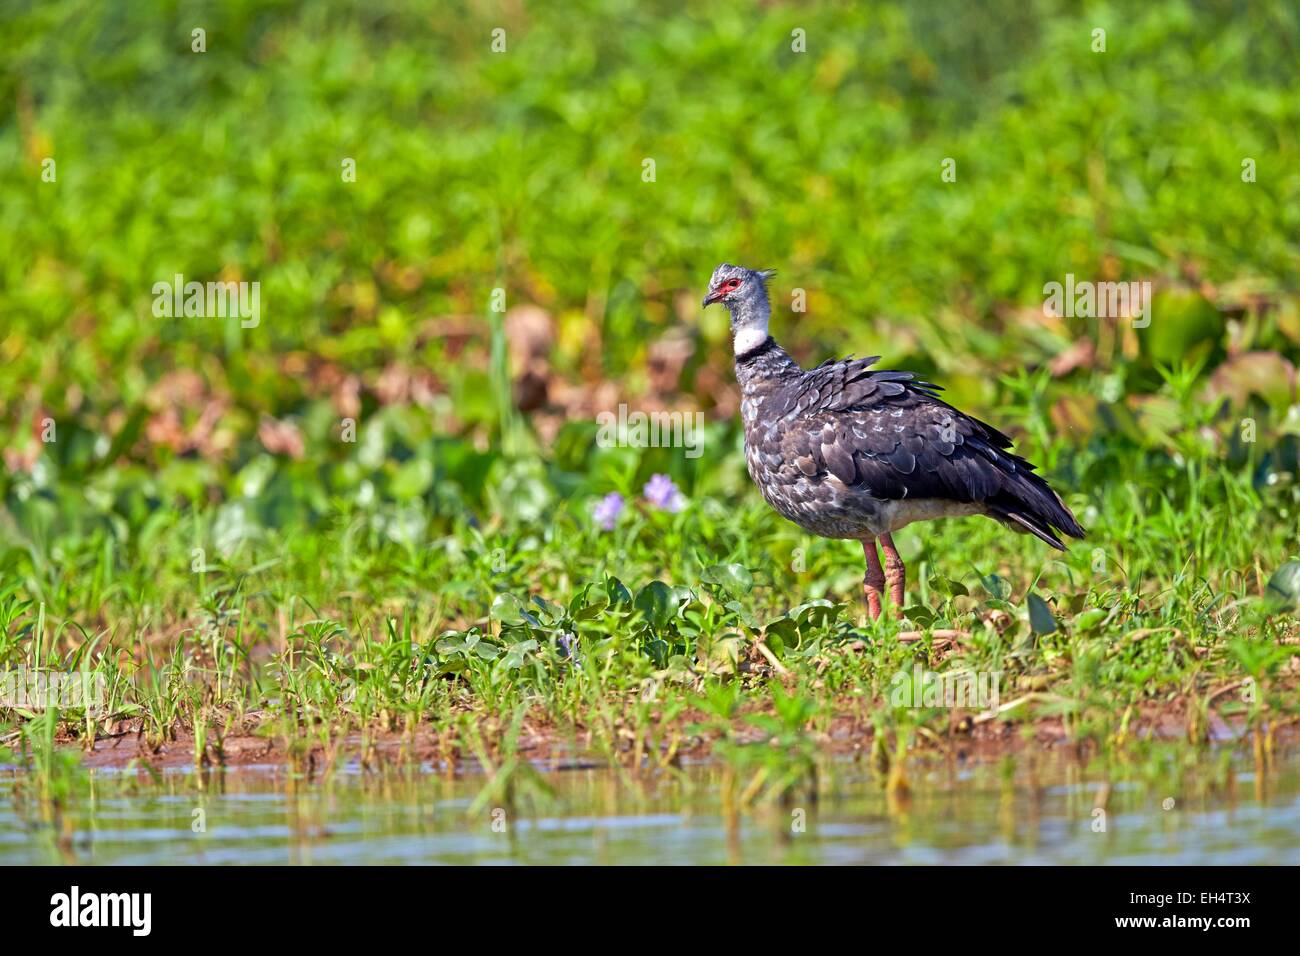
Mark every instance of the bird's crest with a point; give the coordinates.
(726, 270)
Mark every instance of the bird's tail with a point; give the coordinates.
(1028, 504)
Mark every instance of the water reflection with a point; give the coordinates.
(1016, 810)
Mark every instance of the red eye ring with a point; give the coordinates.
(731, 284)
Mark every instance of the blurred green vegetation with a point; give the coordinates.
(523, 170)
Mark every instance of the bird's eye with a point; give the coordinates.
(731, 284)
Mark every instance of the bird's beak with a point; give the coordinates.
(713, 296)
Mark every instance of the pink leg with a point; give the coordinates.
(895, 573)
(873, 582)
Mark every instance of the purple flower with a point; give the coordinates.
(663, 494)
(568, 644)
(607, 510)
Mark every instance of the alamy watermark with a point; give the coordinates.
(651, 430)
(959, 688)
(133, 911)
(211, 300)
(1099, 300)
(38, 690)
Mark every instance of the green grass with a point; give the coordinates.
(415, 584)
(333, 629)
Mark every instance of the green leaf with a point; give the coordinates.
(590, 611)
(919, 614)
(255, 476)
(818, 613)
(550, 611)
(658, 602)
(1040, 615)
(1090, 618)
(507, 609)
(518, 652)
(746, 618)
(617, 591)
(997, 588)
(1284, 586)
(948, 587)
(735, 579)
(447, 646)
(658, 651)
(579, 599)
(412, 479)
(782, 630)
(128, 434)
(1183, 324)
(453, 666)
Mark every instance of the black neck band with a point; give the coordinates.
(750, 354)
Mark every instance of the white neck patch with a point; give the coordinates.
(747, 339)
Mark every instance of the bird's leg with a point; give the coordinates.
(895, 573)
(873, 583)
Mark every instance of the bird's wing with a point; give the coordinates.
(892, 436)
(899, 443)
(837, 385)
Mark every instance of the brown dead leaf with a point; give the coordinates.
(1268, 375)
(399, 384)
(668, 357)
(280, 437)
(530, 332)
(1081, 354)
(347, 397)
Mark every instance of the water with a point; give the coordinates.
(957, 814)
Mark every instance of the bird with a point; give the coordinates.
(851, 452)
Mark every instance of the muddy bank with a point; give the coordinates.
(967, 736)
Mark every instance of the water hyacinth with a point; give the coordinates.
(663, 494)
(607, 511)
(568, 644)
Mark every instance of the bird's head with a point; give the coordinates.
(744, 293)
(736, 285)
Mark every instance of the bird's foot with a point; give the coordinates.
(895, 572)
(896, 591)
(873, 583)
(873, 599)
